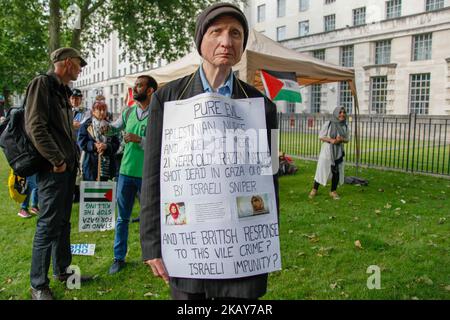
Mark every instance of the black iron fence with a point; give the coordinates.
(411, 143)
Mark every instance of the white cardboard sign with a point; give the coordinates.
(218, 207)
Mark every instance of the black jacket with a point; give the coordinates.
(48, 121)
(86, 142)
(249, 287)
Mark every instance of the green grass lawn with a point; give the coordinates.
(402, 222)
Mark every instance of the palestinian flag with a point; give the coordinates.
(281, 86)
(98, 195)
(130, 100)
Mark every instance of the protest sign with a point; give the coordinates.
(218, 207)
(97, 206)
(83, 249)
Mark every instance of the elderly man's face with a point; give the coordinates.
(73, 68)
(223, 42)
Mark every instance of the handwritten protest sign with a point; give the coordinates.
(218, 207)
(83, 249)
(97, 206)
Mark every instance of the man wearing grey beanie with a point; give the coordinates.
(221, 36)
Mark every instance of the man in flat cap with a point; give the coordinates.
(221, 36)
(48, 122)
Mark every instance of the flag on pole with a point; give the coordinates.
(281, 86)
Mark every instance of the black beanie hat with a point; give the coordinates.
(206, 18)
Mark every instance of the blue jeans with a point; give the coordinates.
(32, 193)
(127, 189)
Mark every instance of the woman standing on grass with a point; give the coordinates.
(331, 159)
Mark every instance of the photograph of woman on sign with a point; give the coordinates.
(175, 214)
(249, 206)
(258, 205)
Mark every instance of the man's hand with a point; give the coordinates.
(158, 268)
(76, 124)
(101, 147)
(131, 137)
(62, 168)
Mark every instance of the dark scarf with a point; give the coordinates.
(337, 128)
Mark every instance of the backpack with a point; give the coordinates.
(21, 154)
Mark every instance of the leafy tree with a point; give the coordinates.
(147, 29)
(23, 44)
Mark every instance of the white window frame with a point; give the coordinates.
(422, 45)
(303, 5)
(303, 28)
(431, 5)
(393, 9)
(261, 13)
(419, 93)
(329, 22)
(383, 52)
(278, 33)
(378, 94)
(281, 8)
(359, 16)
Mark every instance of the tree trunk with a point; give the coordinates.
(54, 25)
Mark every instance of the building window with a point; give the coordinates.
(329, 1)
(345, 96)
(330, 22)
(422, 47)
(120, 71)
(383, 52)
(319, 54)
(281, 33)
(261, 13)
(347, 56)
(316, 96)
(434, 5)
(121, 88)
(281, 8)
(303, 5)
(393, 9)
(378, 91)
(291, 107)
(303, 28)
(359, 16)
(419, 95)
